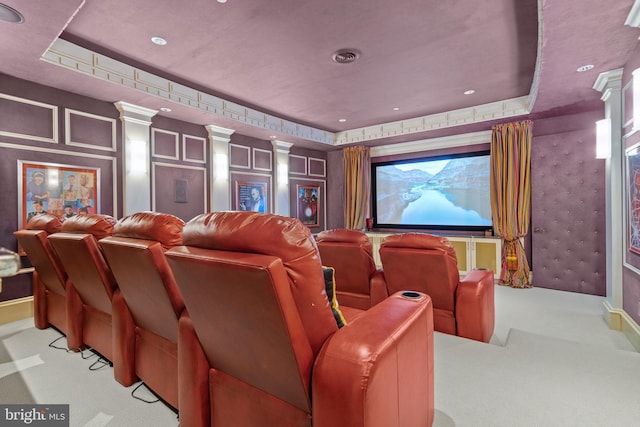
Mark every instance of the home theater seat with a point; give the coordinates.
(149, 298)
(51, 306)
(428, 264)
(92, 281)
(261, 347)
(359, 283)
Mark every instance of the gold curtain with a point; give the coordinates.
(357, 166)
(511, 196)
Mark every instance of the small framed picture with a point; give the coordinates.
(252, 196)
(308, 204)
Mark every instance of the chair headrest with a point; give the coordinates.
(418, 241)
(96, 224)
(161, 227)
(283, 237)
(342, 235)
(47, 222)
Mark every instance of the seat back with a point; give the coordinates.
(350, 253)
(34, 241)
(135, 253)
(78, 249)
(424, 263)
(254, 289)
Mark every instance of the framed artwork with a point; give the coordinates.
(632, 189)
(251, 196)
(63, 190)
(308, 204)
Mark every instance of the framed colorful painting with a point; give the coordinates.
(252, 196)
(308, 204)
(633, 197)
(63, 190)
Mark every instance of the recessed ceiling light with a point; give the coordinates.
(585, 68)
(396, 108)
(469, 92)
(271, 136)
(342, 120)
(345, 56)
(222, 1)
(165, 109)
(9, 14)
(159, 41)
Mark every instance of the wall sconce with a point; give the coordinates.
(603, 139)
(636, 99)
(137, 157)
(283, 175)
(221, 166)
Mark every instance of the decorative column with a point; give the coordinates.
(610, 85)
(136, 150)
(219, 138)
(281, 187)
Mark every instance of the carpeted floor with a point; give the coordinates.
(551, 362)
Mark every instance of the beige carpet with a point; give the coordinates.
(552, 362)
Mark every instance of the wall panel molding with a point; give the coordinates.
(68, 113)
(53, 109)
(156, 145)
(192, 140)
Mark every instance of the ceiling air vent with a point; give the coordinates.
(9, 14)
(345, 56)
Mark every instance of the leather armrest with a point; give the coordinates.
(378, 287)
(385, 355)
(475, 310)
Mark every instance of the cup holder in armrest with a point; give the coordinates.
(411, 295)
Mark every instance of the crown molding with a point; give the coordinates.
(462, 140)
(633, 19)
(76, 58)
(464, 116)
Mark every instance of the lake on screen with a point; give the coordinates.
(433, 207)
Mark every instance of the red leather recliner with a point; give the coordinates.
(261, 347)
(359, 283)
(49, 279)
(93, 283)
(150, 297)
(428, 264)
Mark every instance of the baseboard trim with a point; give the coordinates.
(16, 309)
(620, 320)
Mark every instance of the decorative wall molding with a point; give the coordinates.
(73, 57)
(267, 153)
(154, 132)
(304, 163)
(321, 162)
(85, 61)
(67, 126)
(191, 140)
(461, 140)
(175, 166)
(246, 165)
(463, 116)
(54, 120)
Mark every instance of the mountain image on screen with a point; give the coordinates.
(449, 192)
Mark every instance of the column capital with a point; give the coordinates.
(607, 81)
(281, 146)
(135, 113)
(218, 132)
